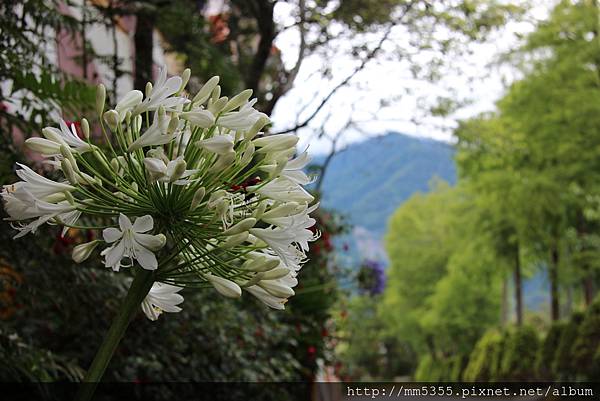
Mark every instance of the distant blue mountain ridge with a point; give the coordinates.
(369, 180)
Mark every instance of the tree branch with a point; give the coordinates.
(290, 77)
(263, 12)
(326, 99)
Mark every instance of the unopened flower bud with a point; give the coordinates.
(247, 154)
(278, 168)
(242, 226)
(217, 106)
(275, 143)
(216, 94)
(66, 153)
(274, 274)
(205, 92)
(67, 169)
(237, 101)
(200, 117)
(281, 211)
(85, 128)
(148, 90)
(198, 196)
(260, 264)
(185, 78)
(114, 165)
(256, 127)
(83, 251)
(260, 209)
(276, 289)
(137, 123)
(176, 168)
(100, 98)
(254, 280)
(223, 162)
(156, 242)
(220, 144)
(235, 240)
(225, 287)
(173, 124)
(112, 119)
(69, 197)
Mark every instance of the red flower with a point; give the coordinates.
(311, 350)
(219, 28)
(248, 183)
(77, 125)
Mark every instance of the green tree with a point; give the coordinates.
(443, 284)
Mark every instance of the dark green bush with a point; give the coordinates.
(424, 368)
(457, 364)
(518, 359)
(481, 365)
(588, 341)
(562, 364)
(496, 355)
(547, 351)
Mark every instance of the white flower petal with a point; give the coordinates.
(146, 258)
(124, 222)
(114, 254)
(111, 234)
(143, 224)
(151, 242)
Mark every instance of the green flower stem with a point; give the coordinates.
(137, 292)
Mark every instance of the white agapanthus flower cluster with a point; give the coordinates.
(186, 187)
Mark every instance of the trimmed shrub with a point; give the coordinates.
(546, 353)
(457, 364)
(496, 356)
(423, 371)
(563, 365)
(595, 370)
(480, 366)
(520, 350)
(588, 341)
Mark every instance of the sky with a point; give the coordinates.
(478, 77)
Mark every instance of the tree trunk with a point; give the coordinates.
(144, 45)
(518, 287)
(504, 316)
(588, 289)
(267, 34)
(554, 295)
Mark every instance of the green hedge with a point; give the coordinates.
(563, 365)
(482, 361)
(584, 352)
(547, 352)
(423, 371)
(518, 359)
(431, 369)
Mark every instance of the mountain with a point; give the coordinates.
(369, 180)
